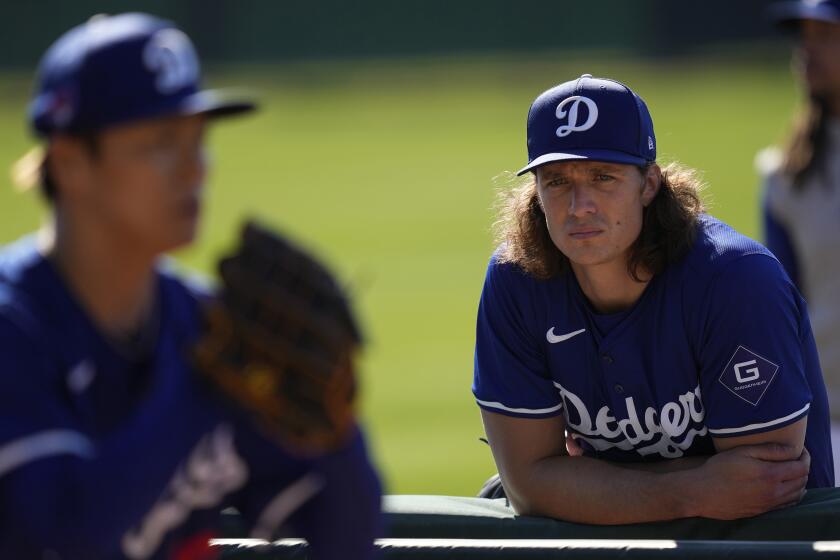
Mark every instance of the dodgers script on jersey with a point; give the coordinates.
(109, 451)
(719, 345)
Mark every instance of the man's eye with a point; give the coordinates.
(603, 177)
(556, 182)
(155, 146)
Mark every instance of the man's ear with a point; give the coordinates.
(653, 181)
(69, 164)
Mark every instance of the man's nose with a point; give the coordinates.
(581, 202)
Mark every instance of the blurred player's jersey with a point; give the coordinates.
(718, 345)
(112, 448)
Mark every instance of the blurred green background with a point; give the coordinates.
(387, 160)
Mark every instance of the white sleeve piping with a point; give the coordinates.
(500, 406)
(751, 427)
(43, 444)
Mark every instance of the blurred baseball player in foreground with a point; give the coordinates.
(675, 352)
(111, 445)
(801, 207)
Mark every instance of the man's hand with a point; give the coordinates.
(748, 480)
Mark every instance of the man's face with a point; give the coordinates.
(594, 209)
(146, 180)
(817, 57)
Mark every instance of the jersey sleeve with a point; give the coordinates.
(752, 345)
(510, 368)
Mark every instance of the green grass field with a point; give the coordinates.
(387, 169)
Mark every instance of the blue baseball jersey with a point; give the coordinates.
(115, 450)
(718, 345)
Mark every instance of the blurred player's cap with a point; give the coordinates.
(589, 118)
(787, 15)
(117, 69)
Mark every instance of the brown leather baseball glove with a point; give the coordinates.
(280, 342)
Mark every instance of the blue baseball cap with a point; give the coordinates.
(787, 15)
(589, 118)
(117, 69)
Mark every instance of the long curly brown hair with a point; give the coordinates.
(668, 227)
(806, 149)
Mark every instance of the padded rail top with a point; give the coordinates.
(816, 518)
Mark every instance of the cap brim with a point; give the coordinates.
(787, 15)
(609, 156)
(212, 103)
(215, 103)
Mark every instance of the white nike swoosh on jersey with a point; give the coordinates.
(554, 339)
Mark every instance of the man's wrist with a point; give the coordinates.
(683, 493)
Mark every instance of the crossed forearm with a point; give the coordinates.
(588, 490)
(741, 482)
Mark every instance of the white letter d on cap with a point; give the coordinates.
(573, 126)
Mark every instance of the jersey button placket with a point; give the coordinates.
(608, 360)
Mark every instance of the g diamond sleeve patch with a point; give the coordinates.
(748, 375)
